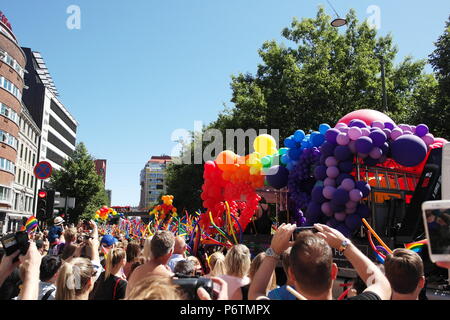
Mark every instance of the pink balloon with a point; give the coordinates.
(326, 209)
(328, 182)
(341, 125)
(354, 133)
(342, 139)
(351, 204)
(355, 195)
(378, 124)
(397, 132)
(367, 115)
(328, 192)
(376, 153)
(331, 162)
(332, 172)
(365, 132)
(341, 216)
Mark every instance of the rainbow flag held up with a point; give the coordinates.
(31, 224)
(416, 246)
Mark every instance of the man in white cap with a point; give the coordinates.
(55, 231)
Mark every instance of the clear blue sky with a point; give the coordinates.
(138, 70)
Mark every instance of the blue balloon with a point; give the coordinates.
(317, 139)
(299, 135)
(283, 151)
(323, 128)
(285, 159)
(289, 142)
(294, 153)
(306, 144)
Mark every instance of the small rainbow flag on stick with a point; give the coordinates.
(31, 224)
(416, 246)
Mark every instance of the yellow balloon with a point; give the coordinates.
(274, 151)
(254, 159)
(264, 145)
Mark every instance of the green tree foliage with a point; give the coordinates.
(320, 76)
(79, 179)
(437, 115)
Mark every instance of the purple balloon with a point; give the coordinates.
(346, 166)
(332, 223)
(355, 195)
(378, 124)
(352, 146)
(314, 211)
(326, 209)
(348, 184)
(342, 153)
(341, 125)
(353, 221)
(278, 177)
(340, 216)
(342, 139)
(331, 135)
(428, 139)
(363, 155)
(331, 162)
(328, 192)
(351, 204)
(320, 172)
(363, 211)
(364, 188)
(350, 210)
(376, 153)
(365, 132)
(389, 125)
(342, 228)
(341, 197)
(354, 133)
(327, 149)
(396, 133)
(329, 182)
(337, 207)
(317, 194)
(378, 138)
(409, 150)
(364, 145)
(422, 129)
(342, 177)
(357, 123)
(332, 172)
(387, 132)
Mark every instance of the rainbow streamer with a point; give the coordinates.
(416, 246)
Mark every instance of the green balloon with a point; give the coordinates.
(283, 151)
(266, 161)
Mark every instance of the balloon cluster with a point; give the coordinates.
(217, 190)
(301, 181)
(162, 211)
(105, 213)
(407, 145)
(300, 141)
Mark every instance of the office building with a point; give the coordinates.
(152, 180)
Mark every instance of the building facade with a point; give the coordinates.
(12, 83)
(153, 180)
(25, 182)
(100, 167)
(58, 127)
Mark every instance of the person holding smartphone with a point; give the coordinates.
(312, 265)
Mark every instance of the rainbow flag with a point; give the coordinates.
(31, 224)
(416, 246)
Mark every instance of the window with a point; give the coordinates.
(9, 139)
(9, 113)
(5, 194)
(12, 62)
(29, 156)
(28, 179)
(21, 151)
(7, 85)
(19, 176)
(7, 165)
(26, 154)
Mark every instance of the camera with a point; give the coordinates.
(16, 241)
(190, 284)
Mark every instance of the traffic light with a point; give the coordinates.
(46, 204)
(41, 212)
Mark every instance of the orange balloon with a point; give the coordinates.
(226, 160)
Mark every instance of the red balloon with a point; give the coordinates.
(366, 115)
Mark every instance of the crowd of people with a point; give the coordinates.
(76, 263)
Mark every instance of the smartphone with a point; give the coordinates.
(301, 229)
(436, 218)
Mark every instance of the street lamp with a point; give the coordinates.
(338, 22)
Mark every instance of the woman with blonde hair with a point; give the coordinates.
(111, 285)
(76, 280)
(237, 264)
(256, 263)
(147, 252)
(156, 288)
(216, 263)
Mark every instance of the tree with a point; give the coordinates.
(79, 179)
(438, 113)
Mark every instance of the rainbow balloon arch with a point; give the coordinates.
(319, 170)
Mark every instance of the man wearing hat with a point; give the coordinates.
(56, 231)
